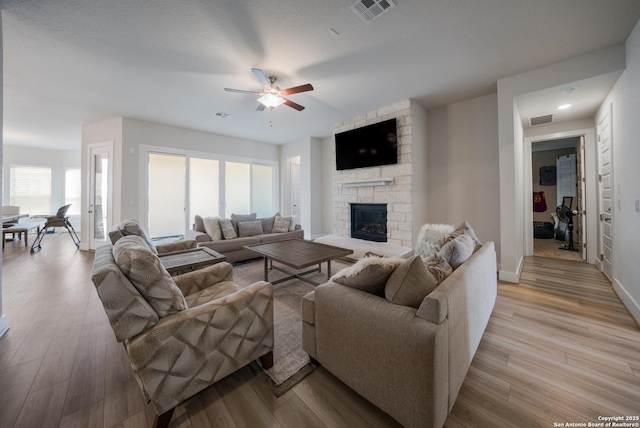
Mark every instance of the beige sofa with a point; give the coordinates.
(234, 249)
(408, 362)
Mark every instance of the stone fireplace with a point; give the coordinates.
(400, 187)
(369, 222)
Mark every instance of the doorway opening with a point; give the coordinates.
(557, 171)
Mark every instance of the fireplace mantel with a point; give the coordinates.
(384, 181)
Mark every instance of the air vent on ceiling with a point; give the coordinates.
(368, 10)
(541, 120)
(221, 115)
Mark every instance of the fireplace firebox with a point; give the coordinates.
(369, 221)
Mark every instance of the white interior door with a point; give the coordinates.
(605, 193)
(100, 194)
(566, 177)
(581, 219)
(295, 188)
(566, 183)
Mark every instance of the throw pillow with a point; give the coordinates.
(267, 224)
(237, 218)
(369, 274)
(464, 228)
(212, 228)
(458, 250)
(146, 273)
(198, 224)
(131, 228)
(295, 219)
(439, 267)
(410, 283)
(431, 238)
(249, 228)
(228, 232)
(281, 224)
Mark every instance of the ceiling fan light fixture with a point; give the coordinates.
(270, 100)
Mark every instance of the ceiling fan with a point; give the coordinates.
(271, 95)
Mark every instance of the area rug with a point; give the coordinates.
(290, 363)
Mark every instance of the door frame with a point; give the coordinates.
(614, 193)
(591, 176)
(85, 215)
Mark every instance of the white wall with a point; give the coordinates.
(512, 162)
(626, 177)
(57, 160)
(419, 157)
(311, 184)
(3, 318)
(94, 133)
(328, 162)
(463, 169)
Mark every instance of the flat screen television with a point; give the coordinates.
(371, 145)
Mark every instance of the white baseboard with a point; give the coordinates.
(513, 277)
(627, 300)
(4, 325)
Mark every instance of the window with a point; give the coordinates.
(237, 188)
(167, 195)
(30, 189)
(249, 188)
(204, 187)
(72, 190)
(182, 185)
(262, 190)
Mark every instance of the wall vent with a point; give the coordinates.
(368, 10)
(221, 115)
(541, 120)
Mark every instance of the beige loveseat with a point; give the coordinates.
(408, 362)
(233, 248)
(181, 333)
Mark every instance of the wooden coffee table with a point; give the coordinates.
(297, 254)
(187, 260)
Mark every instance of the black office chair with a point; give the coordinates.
(58, 220)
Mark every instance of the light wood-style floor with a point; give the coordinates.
(560, 347)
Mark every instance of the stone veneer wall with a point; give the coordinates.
(398, 196)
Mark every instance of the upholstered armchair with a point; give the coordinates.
(181, 333)
(133, 227)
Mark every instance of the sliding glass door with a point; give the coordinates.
(204, 187)
(166, 195)
(182, 186)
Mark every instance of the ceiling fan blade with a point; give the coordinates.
(297, 89)
(262, 78)
(293, 105)
(240, 91)
(261, 107)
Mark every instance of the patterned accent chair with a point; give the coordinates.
(181, 333)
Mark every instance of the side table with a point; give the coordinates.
(178, 262)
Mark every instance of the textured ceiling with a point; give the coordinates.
(69, 62)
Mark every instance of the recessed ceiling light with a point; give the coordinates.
(564, 106)
(569, 90)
